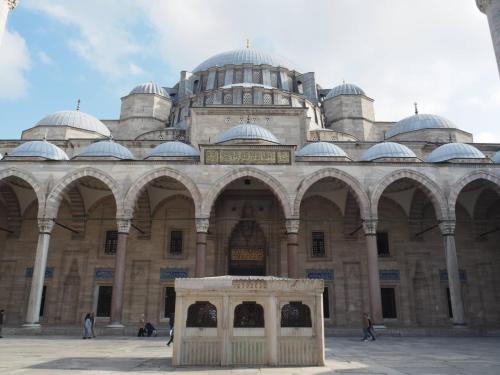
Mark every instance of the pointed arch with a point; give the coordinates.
(30, 179)
(138, 187)
(457, 188)
(425, 183)
(272, 183)
(56, 195)
(351, 182)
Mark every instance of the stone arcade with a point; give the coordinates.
(247, 166)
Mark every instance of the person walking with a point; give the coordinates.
(171, 326)
(2, 314)
(367, 328)
(87, 327)
(92, 321)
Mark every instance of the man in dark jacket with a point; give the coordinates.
(2, 313)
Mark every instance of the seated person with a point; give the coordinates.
(150, 330)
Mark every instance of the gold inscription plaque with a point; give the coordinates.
(223, 156)
(256, 255)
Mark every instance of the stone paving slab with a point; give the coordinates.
(387, 356)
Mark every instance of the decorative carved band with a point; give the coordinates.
(247, 157)
(123, 225)
(448, 227)
(370, 227)
(292, 225)
(45, 225)
(202, 225)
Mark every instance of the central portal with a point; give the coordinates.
(247, 249)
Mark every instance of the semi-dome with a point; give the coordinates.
(173, 148)
(242, 56)
(38, 149)
(387, 150)
(247, 132)
(496, 158)
(419, 122)
(345, 89)
(452, 151)
(149, 88)
(322, 149)
(75, 119)
(106, 149)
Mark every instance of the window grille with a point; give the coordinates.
(176, 242)
(247, 98)
(228, 99)
(111, 242)
(285, 100)
(209, 99)
(383, 244)
(267, 99)
(274, 79)
(318, 244)
(249, 315)
(238, 76)
(257, 76)
(202, 314)
(296, 314)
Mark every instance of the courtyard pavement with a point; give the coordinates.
(387, 355)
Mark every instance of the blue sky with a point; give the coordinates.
(438, 53)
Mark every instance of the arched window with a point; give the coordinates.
(296, 314)
(228, 99)
(202, 314)
(195, 86)
(300, 87)
(249, 315)
(267, 99)
(247, 98)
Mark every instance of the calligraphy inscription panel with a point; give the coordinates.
(247, 157)
(247, 254)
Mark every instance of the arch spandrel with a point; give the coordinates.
(272, 183)
(457, 188)
(351, 182)
(56, 195)
(38, 187)
(433, 191)
(141, 183)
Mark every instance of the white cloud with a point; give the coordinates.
(44, 58)
(14, 64)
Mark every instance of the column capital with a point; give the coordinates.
(292, 225)
(12, 4)
(370, 226)
(483, 5)
(202, 224)
(123, 225)
(447, 227)
(45, 225)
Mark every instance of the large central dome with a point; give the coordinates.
(243, 56)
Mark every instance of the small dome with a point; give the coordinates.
(242, 56)
(345, 89)
(387, 150)
(75, 119)
(173, 148)
(247, 131)
(106, 149)
(324, 149)
(38, 149)
(452, 151)
(419, 122)
(150, 88)
(496, 158)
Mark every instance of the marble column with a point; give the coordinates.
(201, 246)
(492, 10)
(448, 230)
(123, 226)
(292, 229)
(45, 227)
(370, 229)
(5, 7)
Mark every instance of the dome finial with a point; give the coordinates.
(416, 107)
(248, 43)
(78, 104)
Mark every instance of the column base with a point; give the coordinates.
(115, 325)
(459, 325)
(379, 326)
(35, 326)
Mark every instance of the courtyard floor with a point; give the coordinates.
(344, 355)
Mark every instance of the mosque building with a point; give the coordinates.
(249, 166)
